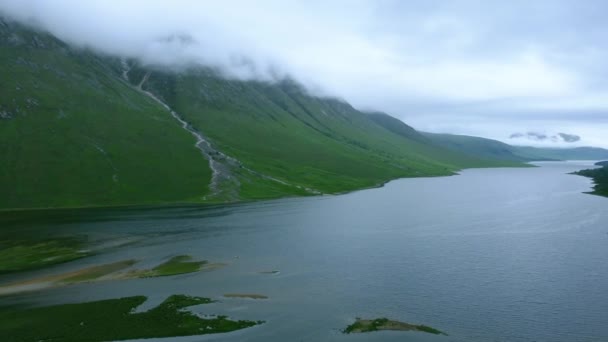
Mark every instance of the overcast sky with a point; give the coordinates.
(486, 68)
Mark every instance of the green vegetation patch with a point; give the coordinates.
(21, 255)
(310, 144)
(600, 178)
(111, 320)
(369, 325)
(177, 265)
(77, 135)
(602, 163)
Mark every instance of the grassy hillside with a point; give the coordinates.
(73, 134)
(77, 129)
(481, 147)
(397, 126)
(279, 130)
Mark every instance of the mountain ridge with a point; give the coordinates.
(84, 129)
(493, 149)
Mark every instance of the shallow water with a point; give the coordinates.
(490, 255)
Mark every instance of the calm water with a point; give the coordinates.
(489, 255)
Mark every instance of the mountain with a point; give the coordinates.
(81, 129)
(282, 133)
(397, 126)
(73, 134)
(574, 153)
(475, 146)
(496, 150)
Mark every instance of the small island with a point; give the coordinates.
(177, 265)
(369, 325)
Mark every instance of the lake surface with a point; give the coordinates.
(501, 254)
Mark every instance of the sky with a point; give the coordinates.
(507, 70)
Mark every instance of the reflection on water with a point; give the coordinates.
(489, 255)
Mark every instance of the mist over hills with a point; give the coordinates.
(82, 129)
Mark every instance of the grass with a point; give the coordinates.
(429, 330)
(318, 143)
(364, 325)
(177, 265)
(78, 136)
(22, 255)
(111, 320)
(600, 178)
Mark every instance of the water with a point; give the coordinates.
(489, 255)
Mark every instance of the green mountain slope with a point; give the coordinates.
(280, 131)
(397, 126)
(481, 147)
(78, 129)
(73, 134)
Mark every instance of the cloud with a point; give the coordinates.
(569, 138)
(435, 64)
(544, 137)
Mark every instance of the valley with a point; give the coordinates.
(143, 200)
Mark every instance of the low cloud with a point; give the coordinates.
(431, 63)
(569, 138)
(544, 137)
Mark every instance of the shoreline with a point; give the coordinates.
(185, 204)
(112, 271)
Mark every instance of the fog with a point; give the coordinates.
(484, 68)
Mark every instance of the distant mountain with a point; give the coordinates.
(574, 153)
(80, 129)
(496, 150)
(475, 146)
